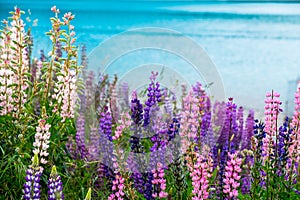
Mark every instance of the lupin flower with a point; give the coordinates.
(201, 172)
(167, 103)
(7, 75)
(55, 186)
(106, 123)
(113, 100)
(136, 109)
(154, 96)
(294, 149)
(173, 129)
(32, 187)
(189, 121)
(117, 188)
(272, 110)
(93, 146)
(248, 131)
(81, 150)
(229, 128)
(240, 126)
(66, 94)
(232, 176)
(159, 182)
(125, 122)
(42, 138)
(14, 66)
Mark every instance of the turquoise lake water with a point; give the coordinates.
(255, 47)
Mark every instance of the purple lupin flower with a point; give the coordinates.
(154, 96)
(167, 103)
(93, 147)
(136, 110)
(229, 128)
(106, 123)
(283, 146)
(55, 186)
(32, 187)
(106, 148)
(248, 131)
(205, 125)
(240, 126)
(124, 93)
(81, 151)
(221, 162)
(219, 113)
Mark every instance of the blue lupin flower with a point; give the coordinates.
(32, 187)
(55, 186)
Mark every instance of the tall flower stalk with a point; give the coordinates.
(14, 66)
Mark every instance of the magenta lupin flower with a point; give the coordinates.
(159, 182)
(117, 188)
(200, 175)
(42, 139)
(272, 110)
(232, 177)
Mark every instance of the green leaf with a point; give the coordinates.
(88, 195)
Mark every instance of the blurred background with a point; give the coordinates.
(255, 45)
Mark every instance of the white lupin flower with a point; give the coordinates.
(41, 142)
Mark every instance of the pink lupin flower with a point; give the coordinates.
(200, 175)
(125, 122)
(189, 123)
(117, 188)
(159, 181)
(272, 110)
(294, 149)
(232, 177)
